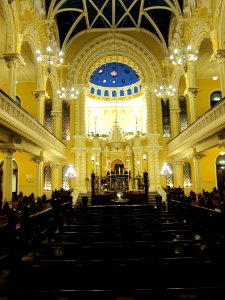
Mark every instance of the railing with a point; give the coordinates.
(17, 119)
(208, 124)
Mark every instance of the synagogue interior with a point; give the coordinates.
(112, 102)
(137, 86)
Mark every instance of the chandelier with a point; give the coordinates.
(165, 91)
(183, 55)
(52, 57)
(68, 93)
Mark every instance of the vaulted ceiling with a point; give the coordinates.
(76, 16)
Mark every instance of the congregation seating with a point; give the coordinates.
(124, 252)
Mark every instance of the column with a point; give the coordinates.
(40, 96)
(55, 176)
(178, 174)
(39, 174)
(56, 115)
(192, 93)
(82, 98)
(12, 60)
(7, 150)
(196, 160)
(175, 120)
(219, 55)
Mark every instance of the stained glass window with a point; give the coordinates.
(47, 178)
(183, 113)
(48, 114)
(169, 176)
(187, 174)
(65, 120)
(65, 179)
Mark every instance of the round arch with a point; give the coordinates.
(127, 50)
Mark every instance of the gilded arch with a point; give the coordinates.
(126, 49)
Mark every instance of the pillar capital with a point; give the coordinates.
(7, 148)
(219, 55)
(192, 90)
(13, 59)
(197, 155)
(38, 159)
(39, 95)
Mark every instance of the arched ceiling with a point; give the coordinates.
(76, 16)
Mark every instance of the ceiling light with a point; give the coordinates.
(53, 56)
(68, 93)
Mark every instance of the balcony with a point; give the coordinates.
(17, 126)
(206, 132)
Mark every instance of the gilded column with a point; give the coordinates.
(12, 61)
(219, 55)
(192, 93)
(40, 96)
(7, 150)
(196, 160)
(175, 117)
(56, 116)
(147, 95)
(39, 174)
(178, 174)
(55, 176)
(82, 98)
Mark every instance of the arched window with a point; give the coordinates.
(121, 93)
(169, 175)
(18, 101)
(114, 93)
(220, 171)
(92, 90)
(65, 179)
(167, 171)
(48, 114)
(135, 90)
(183, 113)
(187, 174)
(47, 178)
(215, 98)
(129, 92)
(166, 117)
(106, 93)
(65, 120)
(99, 92)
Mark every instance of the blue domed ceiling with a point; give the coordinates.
(114, 74)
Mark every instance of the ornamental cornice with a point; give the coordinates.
(13, 59)
(39, 95)
(219, 55)
(193, 90)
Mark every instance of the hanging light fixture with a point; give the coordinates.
(68, 94)
(165, 90)
(183, 55)
(53, 56)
